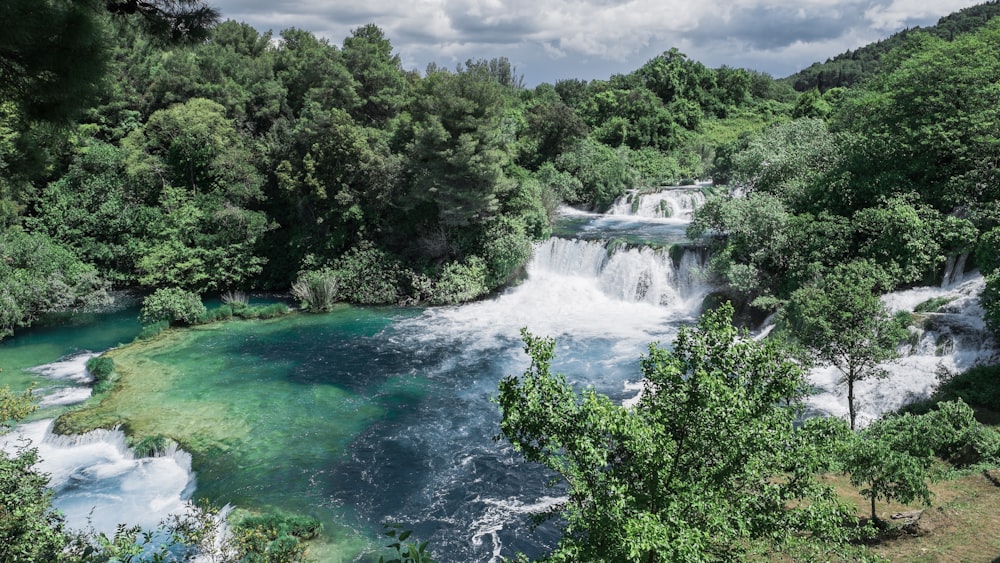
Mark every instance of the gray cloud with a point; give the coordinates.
(554, 39)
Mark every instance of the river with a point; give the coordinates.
(369, 415)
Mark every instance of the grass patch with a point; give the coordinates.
(959, 526)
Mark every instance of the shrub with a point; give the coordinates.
(988, 252)
(368, 275)
(460, 282)
(316, 290)
(101, 368)
(505, 248)
(173, 305)
(149, 446)
(235, 299)
(990, 300)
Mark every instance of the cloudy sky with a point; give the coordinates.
(548, 40)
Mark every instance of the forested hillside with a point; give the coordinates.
(236, 160)
(145, 146)
(851, 67)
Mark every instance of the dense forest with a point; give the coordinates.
(853, 66)
(237, 162)
(173, 155)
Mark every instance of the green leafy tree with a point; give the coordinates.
(381, 81)
(890, 460)
(38, 276)
(709, 461)
(842, 322)
(929, 124)
(456, 159)
(172, 305)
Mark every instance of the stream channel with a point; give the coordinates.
(368, 415)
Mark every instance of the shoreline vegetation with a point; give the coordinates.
(179, 156)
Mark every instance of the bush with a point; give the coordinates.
(990, 300)
(151, 330)
(316, 290)
(101, 368)
(505, 248)
(460, 282)
(173, 305)
(368, 275)
(988, 252)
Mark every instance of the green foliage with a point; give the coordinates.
(458, 282)
(316, 290)
(367, 274)
(38, 276)
(102, 369)
(709, 462)
(51, 54)
(404, 552)
(900, 237)
(990, 300)
(988, 252)
(932, 305)
(927, 126)
(843, 323)
(890, 460)
(789, 160)
(602, 174)
(30, 528)
(152, 330)
(854, 66)
(977, 387)
(173, 305)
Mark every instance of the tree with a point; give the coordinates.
(52, 56)
(929, 125)
(53, 52)
(173, 20)
(173, 306)
(708, 462)
(891, 460)
(38, 276)
(381, 81)
(30, 528)
(456, 158)
(842, 322)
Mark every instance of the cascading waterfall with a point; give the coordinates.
(99, 482)
(949, 341)
(628, 273)
(97, 478)
(672, 203)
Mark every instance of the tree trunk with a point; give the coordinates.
(850, 400)
(874, 517)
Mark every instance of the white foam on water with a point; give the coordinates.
(581, 289)
(63, 396)
(500, 512)
(71, 371)
(678, 203)
(99, 482)
(951, 340)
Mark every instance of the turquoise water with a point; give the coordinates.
(369, 415)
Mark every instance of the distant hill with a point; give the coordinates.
(849, 68)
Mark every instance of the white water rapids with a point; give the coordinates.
(603, 301)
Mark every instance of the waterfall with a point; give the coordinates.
(671, 203)
(98, 480)
(948, 341)
(954, 270)
(627, 273)
(71, 380)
